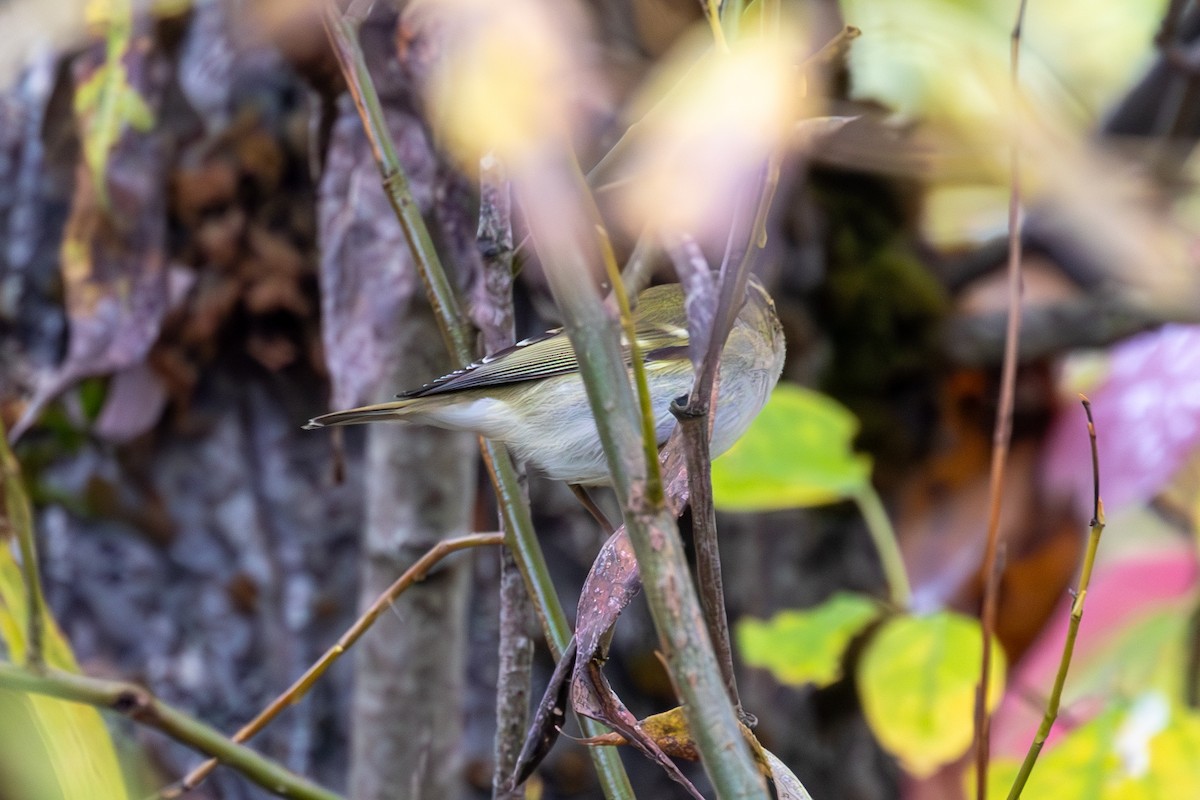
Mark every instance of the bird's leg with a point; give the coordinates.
(587, 502)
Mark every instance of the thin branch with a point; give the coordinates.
(493, 313)
(141, 706)
(1004, 412)
(1085, 577)
(514, 511)
(709, 579)
(653, 477)
(705, 343)
(300, 687)
(19, 518)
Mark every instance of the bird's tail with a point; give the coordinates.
(356, 416)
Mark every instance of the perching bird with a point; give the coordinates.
(530, 396)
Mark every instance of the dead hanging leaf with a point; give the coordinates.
(787, 785)
(669, 730)
(611, 584)
(113, 260)
(592, 696)
(367, 274)
(547, 721)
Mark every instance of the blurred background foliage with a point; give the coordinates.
(196, 258)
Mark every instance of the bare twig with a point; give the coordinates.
(1003, 429)
(1085, 576)
(708, 307)
(141, 706)
(493, 313)
(300, 687)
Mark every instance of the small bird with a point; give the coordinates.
(531, 397)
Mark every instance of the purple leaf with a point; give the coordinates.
(1147, 412)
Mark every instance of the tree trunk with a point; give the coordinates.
(407, 721)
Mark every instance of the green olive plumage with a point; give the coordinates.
(531, 396)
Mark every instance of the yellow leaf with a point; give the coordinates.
(49, 749)
(917, 682)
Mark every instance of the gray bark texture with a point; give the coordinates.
(407, 719)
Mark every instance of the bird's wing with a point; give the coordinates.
(545, 356)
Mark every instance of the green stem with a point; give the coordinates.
(1064, 663)
(883, 536)
(139, 705)
(654, 487)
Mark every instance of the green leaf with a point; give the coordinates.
(49, 749)
(807, 646)
(917, 683)
(797, 453)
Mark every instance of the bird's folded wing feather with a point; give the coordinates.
(545, 356)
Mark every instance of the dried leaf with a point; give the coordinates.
(669, 731)
(611, 584)
(107, 102)
(113, 262)
(592, 696)
(787, 785)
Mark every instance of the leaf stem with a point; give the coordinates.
(883, 536)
